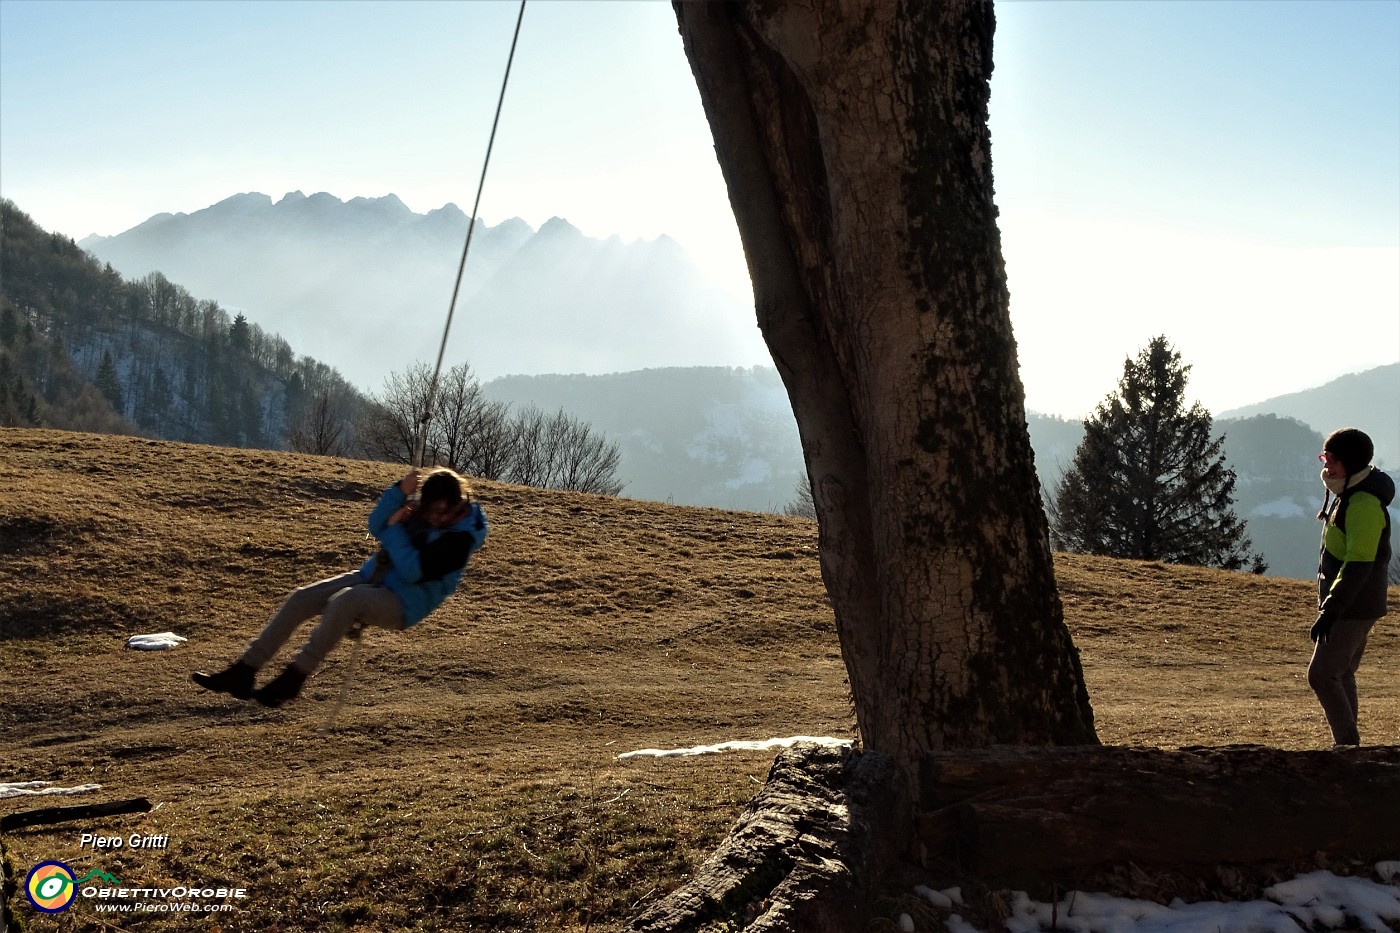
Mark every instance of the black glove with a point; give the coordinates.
(1322, 628)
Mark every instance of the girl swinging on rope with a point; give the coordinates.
(423, 552)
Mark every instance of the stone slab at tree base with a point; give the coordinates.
(830, 831)
(1039, 819)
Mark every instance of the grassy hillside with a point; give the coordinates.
(471, 781)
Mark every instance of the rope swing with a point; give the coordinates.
(356, 635)
(461, 267)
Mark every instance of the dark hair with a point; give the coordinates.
(443, 485)
(1352, 447)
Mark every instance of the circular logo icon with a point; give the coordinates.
(50, 887)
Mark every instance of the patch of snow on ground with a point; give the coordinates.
(42, 788)
(751, 473)
(157, 642)
(1316, 901)
(764, 746)
(945, 899)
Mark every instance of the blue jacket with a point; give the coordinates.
(426, 563)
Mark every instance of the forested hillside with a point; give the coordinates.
(81, 348)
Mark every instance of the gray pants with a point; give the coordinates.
(342, 602)
(1332, 676)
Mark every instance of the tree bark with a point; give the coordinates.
(852, 135)
(803, 855)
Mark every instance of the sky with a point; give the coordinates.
(1224, 172)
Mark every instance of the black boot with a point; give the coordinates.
(236, 681)
(282, 688)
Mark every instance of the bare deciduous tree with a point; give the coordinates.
(493, 442)
(585, 461)
(801, 504)
(321, 428)
(479, 437)
(387, 431)
(456, 417)
(853, 139)
(529, 458)
(560, 452)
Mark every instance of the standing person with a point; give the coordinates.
(1351, 574)
(423, 552)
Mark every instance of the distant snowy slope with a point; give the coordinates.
(710, 436)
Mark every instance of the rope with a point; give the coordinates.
(461, 267)
(357, 635)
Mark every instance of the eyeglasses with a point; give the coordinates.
(1325, 456)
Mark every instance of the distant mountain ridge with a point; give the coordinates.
(368, 282)
(1368, 400)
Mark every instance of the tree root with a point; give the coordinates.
(800, 858)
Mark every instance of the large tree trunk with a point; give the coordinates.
(853, 139)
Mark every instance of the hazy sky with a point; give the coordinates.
(1225, 172)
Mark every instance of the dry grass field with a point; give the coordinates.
(472, 781)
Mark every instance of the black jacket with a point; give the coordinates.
(1355, 560)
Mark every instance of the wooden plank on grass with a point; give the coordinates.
(65, 814)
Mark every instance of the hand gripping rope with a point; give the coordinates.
(427, 415)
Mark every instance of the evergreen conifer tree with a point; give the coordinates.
(1148, 481)
(240, 334)
(108, 383)
(9, 326)
(28, 405)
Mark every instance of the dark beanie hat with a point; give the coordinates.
(1352, 447)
